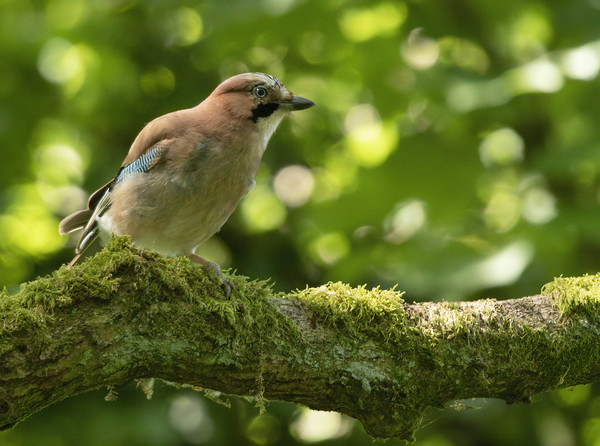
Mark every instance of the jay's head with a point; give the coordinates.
(259, 98)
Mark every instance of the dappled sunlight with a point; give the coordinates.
(375, 81)
(453, 150)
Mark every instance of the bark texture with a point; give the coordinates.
(126, 314)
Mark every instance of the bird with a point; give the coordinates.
(186, 171)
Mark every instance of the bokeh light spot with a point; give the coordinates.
(66, 14)
(503, 211)
(188, 415)
(466, 96)
(526, 35)
(581, 63)
(294, 185)
(539, 206)
(278, 7)
(329, 248)
(369, 140)
(262, 211)
(463, 53)
(57, 164)
(359, 25)
(216, 251)
(314, 426)
(311, 46)
(541, 76)
(158, 82)
(264, 430)
(501, 268)
(501, 147)
(184, 26)
(405, 221)
(591, 431)
(573, 396)
(420, 52)
(59, 61)
(28, 226)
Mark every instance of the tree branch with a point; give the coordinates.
(126, 314)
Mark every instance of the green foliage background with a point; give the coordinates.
(454, 151)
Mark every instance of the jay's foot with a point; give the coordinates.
(227, 285)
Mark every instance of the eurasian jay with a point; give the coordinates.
(186, 171)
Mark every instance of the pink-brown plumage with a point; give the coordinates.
(195, 165)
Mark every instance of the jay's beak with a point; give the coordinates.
(296, 103)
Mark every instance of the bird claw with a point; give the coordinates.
(228, 287)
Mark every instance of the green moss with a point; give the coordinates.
(390, 357)
(575, 294)
(150, 293)
(375, 312)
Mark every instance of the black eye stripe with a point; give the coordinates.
(263, 110)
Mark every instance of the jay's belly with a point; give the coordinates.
(168, 217)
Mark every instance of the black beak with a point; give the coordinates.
(297, 103)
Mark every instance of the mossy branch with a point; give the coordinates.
(126, 314)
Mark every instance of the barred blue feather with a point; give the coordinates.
(140, 165)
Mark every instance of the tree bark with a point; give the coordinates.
(126, 314)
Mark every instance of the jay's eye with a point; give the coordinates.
(260, 92)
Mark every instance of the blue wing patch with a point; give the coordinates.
(142, 164)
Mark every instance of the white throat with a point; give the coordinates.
(267, 126)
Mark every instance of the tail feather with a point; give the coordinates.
(86, 219)
(74, 221)
(84, 244)
(87, 240)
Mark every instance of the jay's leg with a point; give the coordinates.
(227, 285)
